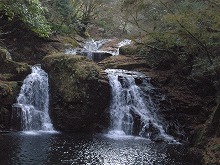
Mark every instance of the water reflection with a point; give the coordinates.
(19, 148)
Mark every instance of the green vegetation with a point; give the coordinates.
(180, 27)
(71, 16)
(30, 12)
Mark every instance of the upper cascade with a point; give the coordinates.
(33, 100)
(133, 112)
(101, 48)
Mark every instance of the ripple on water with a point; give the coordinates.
(85, 149)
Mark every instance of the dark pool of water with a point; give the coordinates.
(44, 148)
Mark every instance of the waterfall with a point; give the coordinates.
(132, 110)
(33, 102)
(94, 49)
(92, 46)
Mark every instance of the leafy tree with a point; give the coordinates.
(59, 15)
(30, 12)
(191, 26)
(69, 16)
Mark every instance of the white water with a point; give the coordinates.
(128, 105)
(33, 100)
(91, 46)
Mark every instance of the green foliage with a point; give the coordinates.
(193, 26)
(71, 16)
(30, 12)
(197, 18)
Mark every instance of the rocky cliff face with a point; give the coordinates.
(79, 91)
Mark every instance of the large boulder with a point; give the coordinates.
(79, 91)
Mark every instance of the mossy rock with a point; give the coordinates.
(124, 62)
(14, 71)
(78, 97)
(4, 90)
(129, 50)
(4, 55)
(8, 92)
(6, 76)
(71, 41)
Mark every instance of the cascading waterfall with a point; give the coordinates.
(92, 46)
(33, 100)
(93, 49)
(132, 110)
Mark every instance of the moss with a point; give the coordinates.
(6, 76)
(129, 50)
(212, 151)
(73, 71)
(11, 69)
(5, 90)
(4, 55)
(8, 92)
(75, 90)
(216, 148)
(71, 41)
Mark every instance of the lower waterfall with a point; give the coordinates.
(33, 102)
(132, 111)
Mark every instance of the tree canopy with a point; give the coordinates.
(30, 12)
(189, 25)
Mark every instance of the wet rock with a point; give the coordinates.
(16, 118)
(80, 93)
(95, 56)
(4, 118)
(138, 81)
